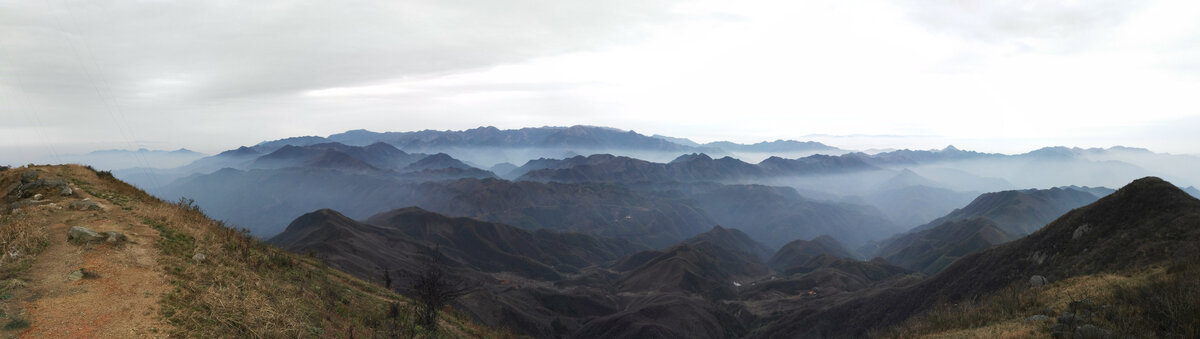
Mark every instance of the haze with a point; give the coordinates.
(1007, 76)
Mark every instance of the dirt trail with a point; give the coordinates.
(120, 301)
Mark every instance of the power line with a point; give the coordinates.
(104, 91)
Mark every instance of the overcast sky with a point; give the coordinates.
(1000, 76)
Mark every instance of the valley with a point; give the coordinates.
(610, 245)
(616, 247)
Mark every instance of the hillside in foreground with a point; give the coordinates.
(159, 269)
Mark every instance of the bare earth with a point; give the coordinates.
(121, 301)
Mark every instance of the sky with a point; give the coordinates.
(996, 76)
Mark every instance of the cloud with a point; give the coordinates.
(1046, 26)
(212, 50)
(212, 75)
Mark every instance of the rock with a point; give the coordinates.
(199, 257)
(75, 276)
(66, 190)
(1037, 318)
(29, 176)
(82, 234)
(1059, 331)
(1068, 319)
(115, 237)
(22, 204)
(1079, 231)
(1038, 281)
(1092, 332)
(37, 196)
(84, 205)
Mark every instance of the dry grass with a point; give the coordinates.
(243, 287)
(247, 288)
(1166, 304)
(21, 239)
(1145, 304)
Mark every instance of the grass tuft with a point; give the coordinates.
(16, 324)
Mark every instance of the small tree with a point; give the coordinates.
(433, 289)
(387, 277)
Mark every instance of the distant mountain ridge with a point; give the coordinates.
(112, 159)
(492, 137)
(685, 168)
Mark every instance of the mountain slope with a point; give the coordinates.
(403, 239)
(1019, 212)
(1192, 191)
(499, 247)
(1147, 222)
(733, 240)
(179, 274)
(933, 249)
(801, 252)
(266, 201)
(777, 215)
(702, 269)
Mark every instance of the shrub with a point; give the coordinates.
(1168, 306)
(16, 324)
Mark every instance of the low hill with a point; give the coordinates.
(777, 215)
(173, 272)
(733, 240)
(404, 238)
(702, 269)
(514, 270)
(933, 249)
(799, 252)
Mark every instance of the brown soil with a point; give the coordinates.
(119, 301)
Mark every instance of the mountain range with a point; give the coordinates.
(550, 284)
(1147, 222)
(602, 232)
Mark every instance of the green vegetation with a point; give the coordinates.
(16, 324)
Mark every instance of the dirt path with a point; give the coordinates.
(121, 301)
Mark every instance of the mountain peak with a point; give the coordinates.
(691, 157)
(1148, 191)
(240, 151)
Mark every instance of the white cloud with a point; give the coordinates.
(215, 75)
